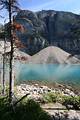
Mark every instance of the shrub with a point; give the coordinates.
(50, 97)
(30, 110)
(74, 101)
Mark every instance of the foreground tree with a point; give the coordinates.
(11, 6)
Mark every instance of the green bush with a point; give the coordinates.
(74, 101)
(50, 97)
(5, 109)
(30, 110)
(65, 100)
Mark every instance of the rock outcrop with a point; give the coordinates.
(49, 27)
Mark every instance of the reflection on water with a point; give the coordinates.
(51, 72)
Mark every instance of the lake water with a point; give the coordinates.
(49, 72)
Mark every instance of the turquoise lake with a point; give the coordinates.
(49, 72)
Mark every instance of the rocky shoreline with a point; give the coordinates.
(39, 89)
(56, 110)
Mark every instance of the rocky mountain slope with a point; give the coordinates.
(49, 27)
(18, 55)
(53, 55)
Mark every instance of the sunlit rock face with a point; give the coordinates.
(48, 27)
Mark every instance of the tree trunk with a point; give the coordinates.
(11, 54)
(4, 62)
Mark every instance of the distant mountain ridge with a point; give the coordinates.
(48, 28)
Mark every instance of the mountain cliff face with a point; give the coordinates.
(47, 28)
